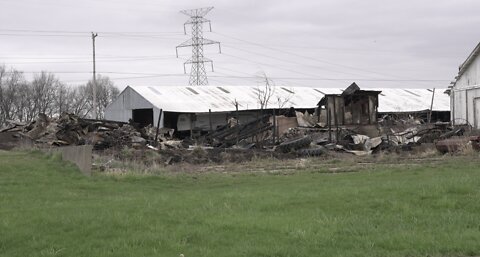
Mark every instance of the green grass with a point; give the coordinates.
(48, 209)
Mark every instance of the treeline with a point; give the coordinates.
(22, 100)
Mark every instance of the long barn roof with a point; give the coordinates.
(197, 99)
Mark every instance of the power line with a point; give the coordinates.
(307, 57)
(39, 35)
(87, 32)
(100, 61)
(76, 34)
(369, 51)
(135, 77)
(365, 78)
(98, 57)
(282, 51)
(290, 61)
(244, 73)
(84, 57)
(103, 36)
(68, 33)
(269, 65)
(243, 77)
(346, 79)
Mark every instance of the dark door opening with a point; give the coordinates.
(170, 120)
(143, 117)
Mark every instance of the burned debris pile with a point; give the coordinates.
(342, 123)
(232, 133)
(69, 129)
(285, 139)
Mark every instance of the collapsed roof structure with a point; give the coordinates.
(211, 104)
(352, 107)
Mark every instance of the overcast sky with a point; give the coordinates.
(323, 43)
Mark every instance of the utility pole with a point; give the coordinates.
(94, 81)
(198, 75)
(431, 107)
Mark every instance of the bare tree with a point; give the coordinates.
(62, 102)
(265, 91)
(21, 100)
(283, 102)
(106, 93)
(10, 82)
(44, 86)
(79, 105)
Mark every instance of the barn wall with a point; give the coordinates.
(465, 96)
(128, 100)
(202, 120)
(470, 77)
(472, 114)
(459, 107)
(466, 106)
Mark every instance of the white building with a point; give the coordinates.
(465, 93)
(186, 107)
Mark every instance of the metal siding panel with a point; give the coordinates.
(460, 107)
(116, 111)
(203, 122)
(452, 107)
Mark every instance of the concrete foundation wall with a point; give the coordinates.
(80, 155)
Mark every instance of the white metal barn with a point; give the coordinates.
(465, 93)
(186, 107)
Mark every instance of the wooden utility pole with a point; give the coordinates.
(274, 128)
(94, 81)
(431, 107)
(158, 126)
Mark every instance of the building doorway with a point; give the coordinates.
(476, 113)
(143, 117)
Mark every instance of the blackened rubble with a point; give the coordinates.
(347, 122)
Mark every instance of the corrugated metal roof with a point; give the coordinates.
(196, 99)
(411, 100)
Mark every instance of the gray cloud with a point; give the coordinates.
(340, 40)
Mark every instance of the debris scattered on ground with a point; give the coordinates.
(451, 145)
(69, 129)
(475, 142)
(229, 135)
(282, 137)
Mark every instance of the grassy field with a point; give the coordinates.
(48, 209)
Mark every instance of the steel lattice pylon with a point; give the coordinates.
(198, 74)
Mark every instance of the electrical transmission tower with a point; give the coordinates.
(198, 75)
